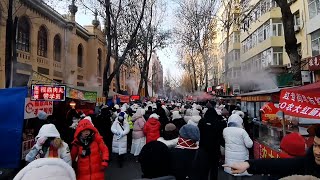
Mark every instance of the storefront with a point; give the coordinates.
(281, 112)
(314, 66)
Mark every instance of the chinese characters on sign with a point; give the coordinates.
(300, 104)
(48, 93)
(314, 63)
(32, 108)
(265, 152)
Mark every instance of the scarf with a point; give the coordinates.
(186, 144)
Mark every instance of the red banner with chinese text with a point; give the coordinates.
(300, 103)
(265, 152)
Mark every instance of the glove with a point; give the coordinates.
(40, 142)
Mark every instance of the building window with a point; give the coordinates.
(315, 43)
(80, 84)
(297, 18)
(23, 36)
(277, 29)
(314, 8)
(277, 58)
(42, 42)
(99, 62)
(80, 56)
(57, 48)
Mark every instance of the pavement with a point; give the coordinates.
(131, 170)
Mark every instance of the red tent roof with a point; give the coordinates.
(306, 88)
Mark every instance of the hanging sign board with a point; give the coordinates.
(48, 92)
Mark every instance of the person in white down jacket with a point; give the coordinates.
(120, 128)
(237, 142)
(46, 169)
(49, 144)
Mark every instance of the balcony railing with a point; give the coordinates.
(43, 61)
(23, 56)
(57, 66)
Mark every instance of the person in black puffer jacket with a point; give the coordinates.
(211, 138)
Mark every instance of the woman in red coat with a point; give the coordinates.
(152, 128)
(92, 153)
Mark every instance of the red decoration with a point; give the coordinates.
(314, 63)
(302, 101)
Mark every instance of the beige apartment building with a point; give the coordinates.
(257, 46)
(55, 46)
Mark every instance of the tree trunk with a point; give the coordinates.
(107, 81)
(194, 74)
(146, 87)
(120, 61)
(8, 47)
(291, 40)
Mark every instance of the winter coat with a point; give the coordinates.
(237, 142)
(181, 164)
(130, 122)
(211, 133)
(46, 168)
(170, 143)
(119, 146)
(89, 167)
(283, 167)
(137, 132)
(152, 130)
(103, 124)
(49, 130)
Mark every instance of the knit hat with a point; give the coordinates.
(154, 159)
(293, 144)
(170, 127)
(189, 131)
(176, 115)
(42, 115)
(154, 115)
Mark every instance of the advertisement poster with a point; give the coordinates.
(31, 108)
(82, 95)
(26, 146)
(48, 93)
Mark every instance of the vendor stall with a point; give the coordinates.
(278, 112)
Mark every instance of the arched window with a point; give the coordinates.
(42, 42)
(23, 36)
(80, 55)
(57, 48)
(99, 62)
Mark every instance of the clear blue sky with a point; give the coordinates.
(167, 56)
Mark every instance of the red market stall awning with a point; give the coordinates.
(303, 101)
